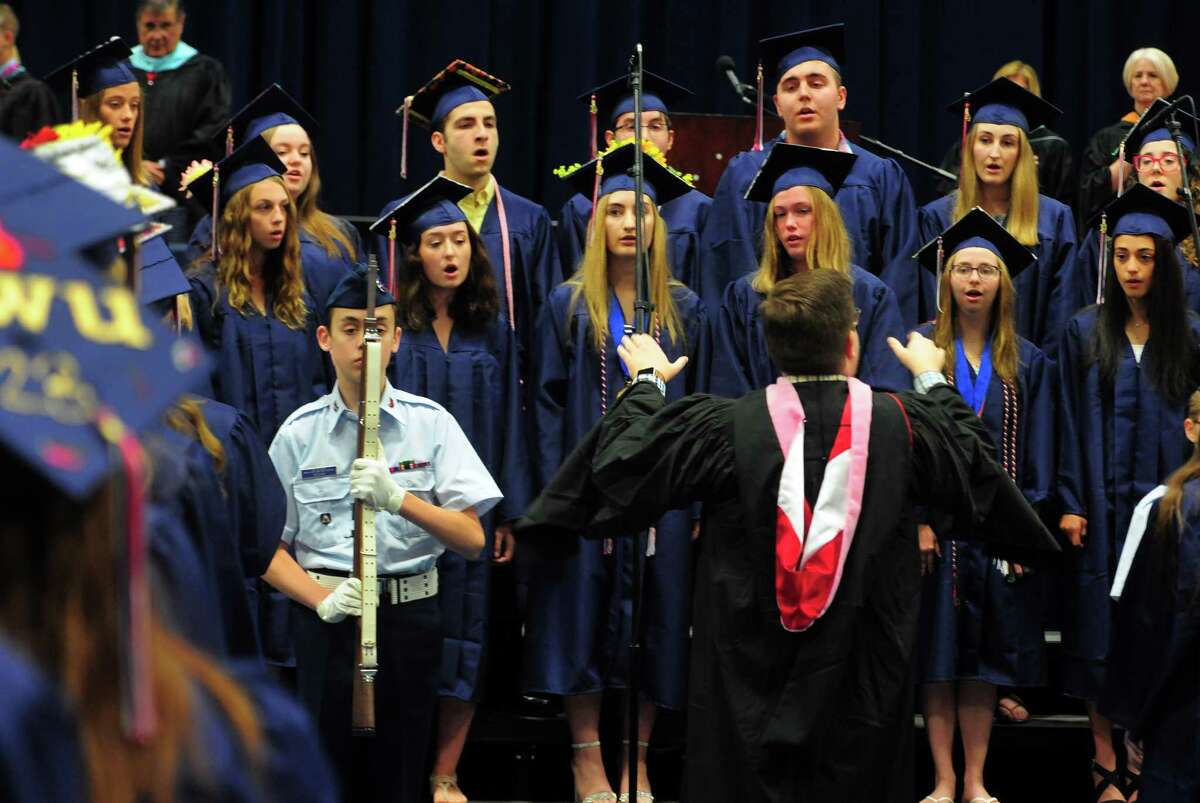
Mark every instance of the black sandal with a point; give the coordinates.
(1108, 778)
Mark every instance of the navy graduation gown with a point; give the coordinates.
(1158, 698)
(322, 271)
(877, 206)
(1037, 320)
(40, 756)
(476, 380)
(740, 359)
(1115, 445)
(994, 632)
(685, 217)
(577, 624)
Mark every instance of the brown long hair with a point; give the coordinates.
(1022, 221)
(187, 418)
(74, 636)
(1006, 348)
(281, 266)
(475, 304)
(828, 247)
(1169, 522)
(322, 227)
(590, 282)
(131, 155)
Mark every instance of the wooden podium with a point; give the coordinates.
(704, 143)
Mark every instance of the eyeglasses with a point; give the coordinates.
(964, 271)
(1167, 162)
(656, 127)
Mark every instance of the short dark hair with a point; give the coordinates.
(806, 319)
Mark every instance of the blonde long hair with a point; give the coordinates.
(322, 227)
(281, 267)
(131, 155)
(1022, 222)
(1005, 343)
(828, 246)
(590, 282)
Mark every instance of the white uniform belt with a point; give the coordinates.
(391, 589)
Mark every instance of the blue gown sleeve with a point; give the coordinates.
(200, 241)
(551, 386)
(875, 326)
(261, 500)
(929, 225)
(572, 232)
(700, 350)
(1063, 262)
(898, 242)
(517, 470)
(731, 356)
(546, 271)
(1069, 478)
(729, 245)
(1037, 471)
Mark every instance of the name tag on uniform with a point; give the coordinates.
(409, 465)
(316, 473)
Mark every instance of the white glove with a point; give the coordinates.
(345, 600)
(371, 482)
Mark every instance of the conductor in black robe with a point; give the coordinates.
(806, 602)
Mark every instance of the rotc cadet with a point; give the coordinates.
(439, 492)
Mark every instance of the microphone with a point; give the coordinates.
(725, 65)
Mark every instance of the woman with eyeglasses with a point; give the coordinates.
(1125, 370)
(803, 231)
(999, 174)
(981, 618)
(1157, 591)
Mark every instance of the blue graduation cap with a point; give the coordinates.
(100, 68)
(434, 204)
(351, 291)
(50, 213)
(615, 97)
(1005, 102)
(976, 229)
(661, 184)
(272, 107)
(1141, 210)
(825, 44)
(160, 277)
(253, 162)
(1152, 127)
(788, 166)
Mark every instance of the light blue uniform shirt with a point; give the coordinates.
(427, 452)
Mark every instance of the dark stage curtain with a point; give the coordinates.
(352, 62)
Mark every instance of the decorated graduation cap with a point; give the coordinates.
(976, 229)
(434, 204)
(99, 370)
(251, 163)
(826, 44)
(160, 275)
(611, 172)
(1003, 101)
(1152, 127)
(460, 82)
(351, 291)
(270, 108)
(1140, 210)
(611, 100)
(788, 166)
(100, 68)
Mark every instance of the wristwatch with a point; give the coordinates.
(653, 376)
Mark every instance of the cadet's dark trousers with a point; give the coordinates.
(391, 766)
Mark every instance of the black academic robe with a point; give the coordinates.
(1095, 182)
(26, 104)
(826, 714)
(1055, 166)
(185, 112)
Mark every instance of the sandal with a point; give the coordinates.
(641, 795)
(1107, 778)
(1008, 713)
(605, 796)
(444, 784)
(936, 799)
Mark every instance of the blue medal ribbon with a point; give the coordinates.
(973, 392)
(616, 329)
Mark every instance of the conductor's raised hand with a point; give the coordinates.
(640, 352)
(919, 355)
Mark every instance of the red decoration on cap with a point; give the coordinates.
(12, 255)
(61, 456)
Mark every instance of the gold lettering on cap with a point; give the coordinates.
(25, 299)
(123, 325)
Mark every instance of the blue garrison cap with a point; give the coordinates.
(50, 213)
(977, 229)
(272, 107)
(100, 68)
(88, 348)
(251, 163)
(660, 184)
(351, 291)
(788, 166)
(825, 44)
(434, 204)
(1141, 210)
(1005, 102)
(459, 83)
(615, 98)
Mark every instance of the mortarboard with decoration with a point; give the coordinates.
(611, 100)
